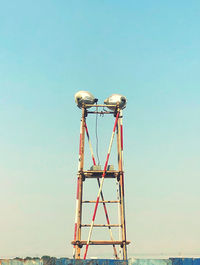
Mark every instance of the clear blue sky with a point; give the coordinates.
(148, 51)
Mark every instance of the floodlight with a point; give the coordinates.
(84, 97)
(115, 99)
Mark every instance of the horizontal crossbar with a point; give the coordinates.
(104, 225)
(100, 242)
(99, 105)
(101, 201)
(100, 112)
(99, 173)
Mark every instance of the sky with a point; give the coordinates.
(145, 50)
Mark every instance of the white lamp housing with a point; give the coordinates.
(84, 97)
(115, 99)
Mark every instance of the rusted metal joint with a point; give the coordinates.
(82, 175)
(78, 243)
(123, 243)
(85, 110)
(120, 173)
(118, 177)
(116, 110)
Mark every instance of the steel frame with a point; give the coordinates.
(100, 176)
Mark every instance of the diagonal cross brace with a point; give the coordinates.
(101, 185)
(101, 193)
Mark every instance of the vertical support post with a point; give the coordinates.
(121, 184)
(118, 188)
(77, 194)
(80, 183)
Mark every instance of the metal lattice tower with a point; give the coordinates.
(101, 176)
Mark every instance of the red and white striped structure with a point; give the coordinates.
(101, 176)
(77, 190)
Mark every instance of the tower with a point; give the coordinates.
(115, 103)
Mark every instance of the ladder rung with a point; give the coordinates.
(100, 201)
(100, 242)
(111, 225)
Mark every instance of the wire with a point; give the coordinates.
(97, 141)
